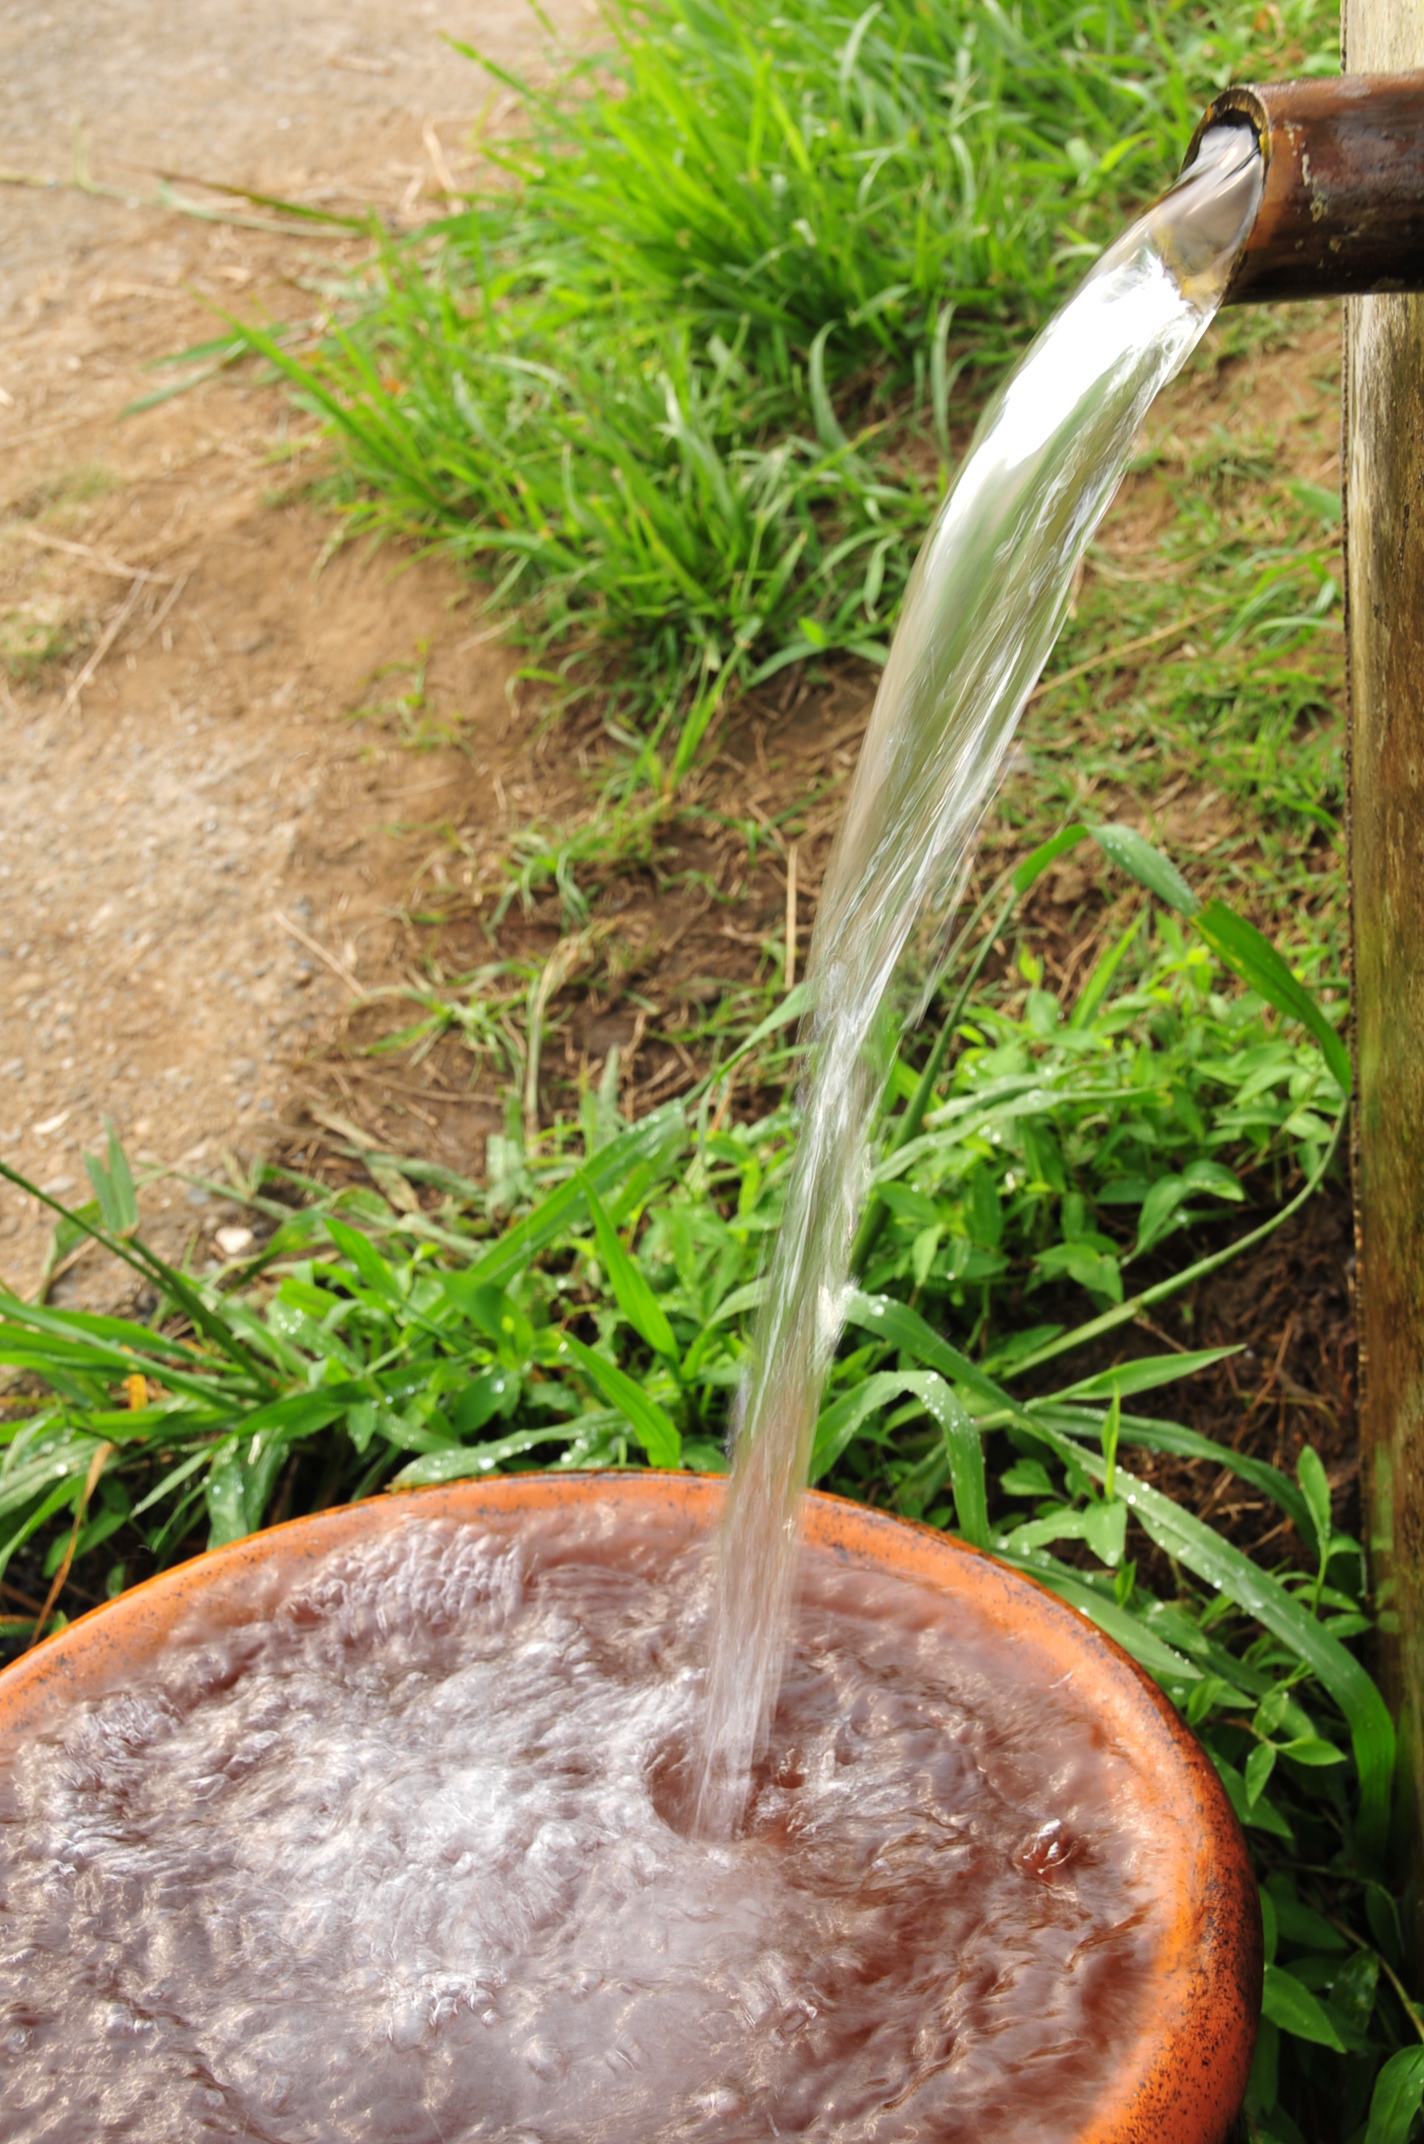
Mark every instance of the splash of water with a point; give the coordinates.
(983, 609)
(275, 1887)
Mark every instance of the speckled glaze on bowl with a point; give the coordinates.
(1180, 2081)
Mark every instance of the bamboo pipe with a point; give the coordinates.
(1342, 211)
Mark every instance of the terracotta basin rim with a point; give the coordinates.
(1180, 2082)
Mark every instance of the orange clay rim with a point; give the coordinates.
(1180, 2082)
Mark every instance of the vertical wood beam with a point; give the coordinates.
(1384, 523)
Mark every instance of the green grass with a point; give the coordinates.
(683, 379)
(1237, 592)
(591, 1305)
(30, 640)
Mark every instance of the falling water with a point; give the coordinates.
(984, 606)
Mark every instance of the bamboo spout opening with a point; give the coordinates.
(1342, 210)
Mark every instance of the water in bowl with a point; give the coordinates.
(406, 1859)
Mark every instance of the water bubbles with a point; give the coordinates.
(407, 2022)
(404, 1856)
(1046, 1851)
(548, 2061)
(720, 2100)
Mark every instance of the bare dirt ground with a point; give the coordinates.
(203, 849)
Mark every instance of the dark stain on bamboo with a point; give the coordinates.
(1342, 211)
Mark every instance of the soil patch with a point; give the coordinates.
(206, 833)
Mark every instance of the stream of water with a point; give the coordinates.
(985, 603)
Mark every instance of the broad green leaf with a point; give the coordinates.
(1214, 1177)
(1260, 1815)
(1096, 1270)
(1397, 2097)
(1136, 855)
(1159, 1209)
(1048, 852)
(1313, 1750)
(227, 1507)
(1169, 1194)
(485, 1395)
(238, 1487)
(495, 1313)
(1241, 947)
(1144, 1374)
(369, 1264)
(1257, 1770)
(114, 1186)
(656, 1141)
(635, 1298)
(1102, 1526)
(459, 1462)
(1287, 2002)
(1214, 1559)
(1315, 1488)
(652, 1425)
(1105, 1530)
(1301, 1924)
(1353, 1990)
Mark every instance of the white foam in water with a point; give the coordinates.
(983, 608)
(388, 1865)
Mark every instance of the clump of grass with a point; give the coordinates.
(683, 380)
(31, 638)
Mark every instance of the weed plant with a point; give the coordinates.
(1204, 658)
(680, 375)
(375, 1341)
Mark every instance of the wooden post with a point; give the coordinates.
(1384, 523)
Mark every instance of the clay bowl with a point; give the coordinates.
(1180, 2081)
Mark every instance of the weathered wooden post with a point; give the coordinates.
(1384, 522)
